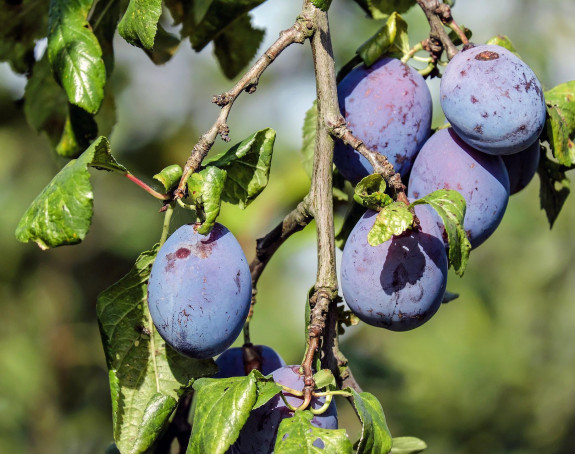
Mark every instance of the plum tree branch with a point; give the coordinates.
(297, 33)
(436, 13)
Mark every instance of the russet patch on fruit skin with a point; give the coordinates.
(487, 56)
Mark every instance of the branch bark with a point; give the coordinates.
(433, 10)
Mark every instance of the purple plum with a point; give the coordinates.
(231, 363)
(522, 166)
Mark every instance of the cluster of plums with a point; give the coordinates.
(200, 287)
(496, 110)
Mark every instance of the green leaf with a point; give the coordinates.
(408, 445)
(560, 122)
(248, 167)
(169, 176)
(80, 129)
(502, 41)
(140, 22)
(222, 408)
(375, 435)
(206, 188)
(450, 205)
(323, 378)
(104, 21)
(165, 46)
(61, 214)
(394, 219)
(297, 435)
(322, 4)
(146, 375)
(555, 187)
(45, 102)
(220, 15)
(75, 54)
(370, 192)
(390, 40)
(21, 25)
(380, 9)
(267, 389)
(237, 45)
(308, 143)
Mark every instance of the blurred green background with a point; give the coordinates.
(492, 372)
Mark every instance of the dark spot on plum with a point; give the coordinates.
(487, 55)
(182, 253)
(238, 282)
(478, 129)
(474, 100)
(463, 73)
(485, 115)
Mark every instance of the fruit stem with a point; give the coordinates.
(333, 393)
(287, 404)
(146, 187)
(324, 407)
(417, 48)
(166, 227)
(291, 391)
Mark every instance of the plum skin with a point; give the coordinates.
(258, 435)
(387, 106)
(446, 162)
(199, 291)
(493, 100)
(400, 283)
(522, 167)
(230, 363)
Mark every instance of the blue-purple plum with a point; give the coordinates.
(258, 435)
(522, 166)
(446, 162)
(231, 362)
(388, 107)
(400, 283)
(199, 291)
(493, 100)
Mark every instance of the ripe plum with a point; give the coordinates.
(388, 107)
(522, 166)
(446, 162)
(199, 290)
(493, 100)
(259, 433)
(231, 364)
(400, 283)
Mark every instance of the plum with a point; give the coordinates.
(388, 107)
(231, 364)
(522, 166)
(258, 435)
(199, 290)
(447, 162)
(400, 283)
(493, 100)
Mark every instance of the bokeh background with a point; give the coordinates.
(492, 372)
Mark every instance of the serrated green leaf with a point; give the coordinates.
(408, 445)
(502, 41)
(308, 143)
(560, 124)
(248, 167)
(206, 189)
(237, 45)
(21, 25)
(220, 15)
(390, 40)
(104, 21)
(380, 9)
(75, 54)
(146, 375)
(375, 435)
(169, 176)
(267, 389)
(393, 219)
(79, 130)
(222, 408)
(139, 24)
(322, 4)
(555, 188)
(61, 214)
(45, 102)
(297, 435)
(370, 192)
(323, 378)
(450, 205)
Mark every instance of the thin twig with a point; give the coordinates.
(434, 10)
(298, 33)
